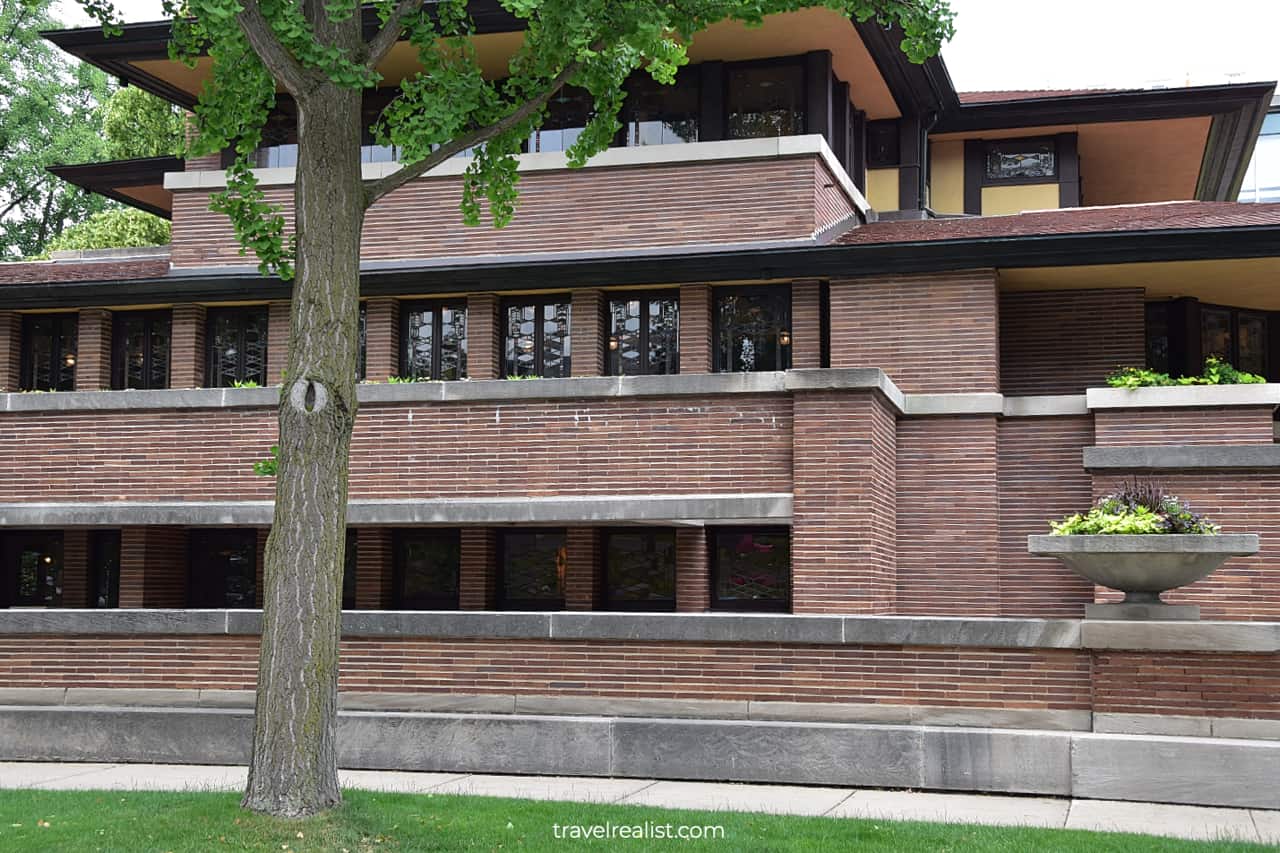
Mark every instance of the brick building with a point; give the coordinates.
(837, 376)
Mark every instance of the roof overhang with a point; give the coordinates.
(138, 183)
(674, 267)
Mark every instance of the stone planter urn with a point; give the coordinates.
(1143, 566)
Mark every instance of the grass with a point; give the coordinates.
(36, 820)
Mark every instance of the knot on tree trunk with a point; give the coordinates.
(308, 396)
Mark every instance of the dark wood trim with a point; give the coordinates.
(1185, 358)
(1068, 165)
(911, 172)
(818, 93)
(106, 179)
(916, 89)
(1227, 152)
(104, 548)
(711, 106)
(974, 174)
(858, 152)
(841, 124)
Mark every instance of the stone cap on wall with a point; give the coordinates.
(1184, 396)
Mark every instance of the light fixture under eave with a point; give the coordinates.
(784, 337)
(69, 360)
(613, 343)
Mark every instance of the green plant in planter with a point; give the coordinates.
(1216, 372)
(1137, 508)
(248, 383)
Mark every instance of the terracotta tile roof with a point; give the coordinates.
(996, 96)
(1073, 220)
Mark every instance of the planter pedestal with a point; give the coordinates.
(1156, 611)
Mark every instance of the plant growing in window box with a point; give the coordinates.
(1142, 542)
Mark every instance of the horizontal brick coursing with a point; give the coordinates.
(1146, 427)
(53, 271)
(998, 678)
(1209, 685)
(1040, 477)
(931, 333)
(1061, 342)
(737, 444)
(598, 208)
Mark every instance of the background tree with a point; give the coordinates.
(316, 51)
(138, 124)
(113, 229)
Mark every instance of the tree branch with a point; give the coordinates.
(404, 174)
(385, 39)
(295, 78)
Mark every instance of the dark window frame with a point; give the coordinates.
(437, 334)
(1182, 321)
(66, 329)
(735, 604)
(1052, 141)
(798, 60)
(784, 324)
(100, 540)
(351, 561)
(525, 604)
(242, 312)
(11, 545)
(612, 357)
(119, 340)
(539, 301)
(198, 536)
(399, 538)
(659, 605)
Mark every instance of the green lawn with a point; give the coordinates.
(32, 820)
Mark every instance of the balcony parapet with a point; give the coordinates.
(1183, 396)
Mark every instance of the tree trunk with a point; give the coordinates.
(293, 769)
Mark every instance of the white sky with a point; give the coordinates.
(1029, 44)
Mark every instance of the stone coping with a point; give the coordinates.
(645, 155)
(480, 390)
(763, 508)
(1235, 544)
(1183, 396)
(781, 629)
(1220, 457)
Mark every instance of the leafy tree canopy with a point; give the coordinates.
(113, 229)
(138, 124)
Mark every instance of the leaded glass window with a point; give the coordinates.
(655, 114)
(533, 564)
(32, 569)
(1237, 336)
(1251, 343)
(427, 564)
(104, 568)
(644, 335)
(434, 337)
(1215, 333)
(766, 100)
(752, 330)
(751, 568)
(1021, 160)
(49, 352)
(640, 569)
(223, 568)
(237, 343)
(140, 356)
(537, 341)
(1157, 335)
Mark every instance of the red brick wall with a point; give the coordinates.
(1140, 427)
(374, 570)
(93, 350)
(931, 333)
(695, 328)
(1041, 477)
(586, 332)
(153, 567)
(693, 571)
(36, 272)
(186, 347)
(10, 350)
(381, 339)
(1209, 685)
(484, 337)
(830, 204)
(582, 581)
(1008, 678)
(277, 340)
(75, 568)
(1061, 342)
(478, 572)
(842, 551)
(806, 329)
(947, 530)
(596, 208)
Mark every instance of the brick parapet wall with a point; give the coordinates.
(948, 516)
(569, 210)
(586, 332)
(1177, 426)
(484, 337)
(844, 518)
(936, 333)
(1062, 342)
(93, 350)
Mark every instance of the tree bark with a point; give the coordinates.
(293, 769)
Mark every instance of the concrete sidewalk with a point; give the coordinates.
(1194, 822)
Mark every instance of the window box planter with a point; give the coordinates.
(1143, 566)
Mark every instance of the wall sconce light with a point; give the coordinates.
(784, 337)
(69, 360)
(613, 342)
(47, 559)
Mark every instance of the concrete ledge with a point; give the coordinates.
(771, 508)
(1248, 637)
(1201, 771)
(1181, 396)
(1045, 406)
(1175, 457)
(923, 405)
(175, 398)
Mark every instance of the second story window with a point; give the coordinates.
(644, 334)
(655, 114)
(567, 115)
(49, 352)
(752, 329)
(140, 351)
(1020, 160)
(765, 100)
(237, 344)
(536, 337)
(434, 336)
